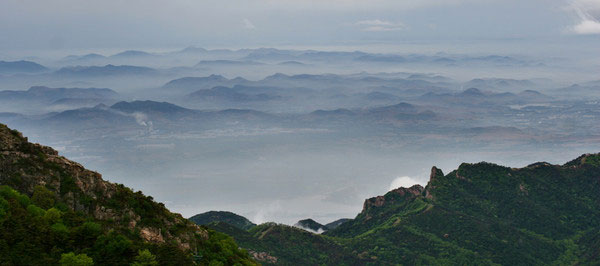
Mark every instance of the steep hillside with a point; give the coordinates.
(51, 206)
(486, 213)
(20, 67)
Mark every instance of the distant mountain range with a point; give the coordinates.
(16, 67)
(283, 56)
(286, 91)
(139, 115)
(474, 96)
(231, 95)
(45, 94)
(202, 83)
(107, 70)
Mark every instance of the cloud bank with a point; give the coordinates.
(403, 181)
(380, 25)
(588, 13)
(248, 24)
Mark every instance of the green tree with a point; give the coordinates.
(70, 259)
(52, 215)
(43, 197)
(145, 258)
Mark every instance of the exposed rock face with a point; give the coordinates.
(25, 165)
(263, 256)
(152, 235)
(435, 173)
(392, 196)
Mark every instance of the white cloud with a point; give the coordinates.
(587, 27)
(380, 25)
(588, 14)
(248, 24)
(318, 232)
(366, 5)
(266, 213)
(403, 181)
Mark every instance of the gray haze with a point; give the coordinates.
(281, 110)
(112, 24)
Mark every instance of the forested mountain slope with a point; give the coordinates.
(51, 207)
(481, 213)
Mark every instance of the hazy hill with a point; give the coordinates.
(477, 97)
(14, 67)
(132, 54)
(107, 70)
(151, 108)
(501, 84)
(230, 95)
(202, 83)
(45, 94)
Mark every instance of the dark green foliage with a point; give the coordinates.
(32, 235)
(220, 249)
(150, 212)
(222, 216)
(43, 197)
(479, 214)
(145, 258)
(70, 259)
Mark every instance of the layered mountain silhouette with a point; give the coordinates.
(15, 67)
(46, 94)
(103, 71)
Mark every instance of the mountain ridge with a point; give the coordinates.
(481, 213)
(58, 185)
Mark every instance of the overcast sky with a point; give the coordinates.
(154, 24)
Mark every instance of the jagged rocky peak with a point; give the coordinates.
(10, 140)
(435, 172)
(415, 190)
(392, 196)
